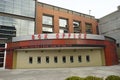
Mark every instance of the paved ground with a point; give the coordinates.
(59, 73)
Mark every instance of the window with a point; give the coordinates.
(88, 58)
(88, 28)
(118, 45)
(23, 27)
(18, 7)
(47, 24)
(64, 59)
(55, 59)
(30, 60)
(71, 59)
(38, 59)
(47, 20)
(76, 26)
(79, 59)
(47, 30)
(97, 29)
(63, 24)
(47, 59)
(61, 30)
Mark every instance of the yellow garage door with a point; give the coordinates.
(58, 58)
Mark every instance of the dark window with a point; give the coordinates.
(30, 60)
(79, 59)
(1, 55)
(1, 64)
(71, 59)
(1, 59)
(76, 27)
(47, 59)
(39, 59)
(55, 59)
(88, 58)
(2, 45)
(88, 28)
(7, 31)
(97, 29)
(118, 45)
(64, 59)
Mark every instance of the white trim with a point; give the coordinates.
(61, 48)
(5, 56)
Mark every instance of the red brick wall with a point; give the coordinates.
(109, 48)
(110, 53)
(9, 59)
(41, 10)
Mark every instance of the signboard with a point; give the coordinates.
(59, 36)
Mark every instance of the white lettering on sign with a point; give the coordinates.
(59, 36)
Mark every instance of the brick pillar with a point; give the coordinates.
(110, 53)
(56, 24)
(94, 25)
(9, 59)
(38, 29)
(83, 27)
(70, 25)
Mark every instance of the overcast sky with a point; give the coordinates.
(99, 8)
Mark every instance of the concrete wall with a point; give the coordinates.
(22, 61)
(110, 25)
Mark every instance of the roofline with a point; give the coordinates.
(66, 9)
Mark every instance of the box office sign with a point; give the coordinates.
(59, 36)
(66, 36)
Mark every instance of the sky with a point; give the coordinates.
(97, 8)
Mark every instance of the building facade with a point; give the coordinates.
(18, 13)
(60, 50)
(17, 18)
(58, 37)
(6, 34)
(109, 25)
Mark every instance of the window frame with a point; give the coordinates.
(71, 59)
(55, 59)
(77, 29)
(88, 28)
(47, 59)
(79, 58)
(64, 59)
(64, 28)
(45, 15)
(87, 58)
(49, 26)
(30, 60)
(39, 60)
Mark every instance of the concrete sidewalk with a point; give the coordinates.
(58, 73)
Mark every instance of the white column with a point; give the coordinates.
(4, 56)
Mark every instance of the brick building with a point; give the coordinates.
(61, 38)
